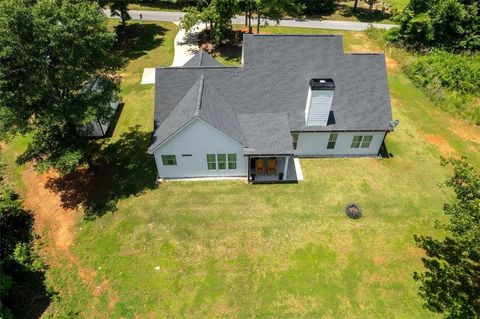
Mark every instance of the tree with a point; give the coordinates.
(370, 3)
(355, 5)
(217, 14)
(275, 9)
(50, 52)
(450, 285)
(452, 25)
(120, 8)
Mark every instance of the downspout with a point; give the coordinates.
(248, 169)
(383, 143)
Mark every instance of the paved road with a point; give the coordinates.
(324, 24)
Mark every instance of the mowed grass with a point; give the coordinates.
(228, 249)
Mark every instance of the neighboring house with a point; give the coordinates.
(98, 127)
(294, 96)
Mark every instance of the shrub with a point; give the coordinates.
(448, 24)
(450, 80)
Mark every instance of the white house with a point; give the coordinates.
(294, 96)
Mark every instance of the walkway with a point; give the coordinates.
(185, 46)
(184, 49)
(321, 24)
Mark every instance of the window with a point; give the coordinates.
(232, 161)
(186, 155)
(169, 160)
(294, 140)
(211, 162)
(222, 161)
(366, 141)
(357, 139)
(362, 141)
(219, 161)
(332, 139)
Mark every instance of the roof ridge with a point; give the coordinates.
(199, 96)
(364, 53)
(201, 58)
(199, 67)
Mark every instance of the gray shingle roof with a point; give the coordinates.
(203, 101)
(275, 79)
(186, 109)
(266, 133)
(202, 58)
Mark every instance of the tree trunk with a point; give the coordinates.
(246, 16)
(355, 5)
(258, 20)
(122, 15)
(250, 21)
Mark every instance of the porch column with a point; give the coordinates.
(285, 168)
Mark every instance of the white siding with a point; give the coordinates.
(199, 139)
(319, 108)
(315, 144)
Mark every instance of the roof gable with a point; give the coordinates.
(202, 58)
(183, 112)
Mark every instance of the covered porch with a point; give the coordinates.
(272, 169)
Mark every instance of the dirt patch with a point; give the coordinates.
(58, 224)
(366, 44)
(48, 210)
(414, 251)
(392, 65)
(466, 132)
(378, 260)
(396, 102)
(441, 144)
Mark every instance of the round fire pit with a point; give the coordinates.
(353, 211)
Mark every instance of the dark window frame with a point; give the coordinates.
(169, 160)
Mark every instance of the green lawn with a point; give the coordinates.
(228, 249)
(233, 250)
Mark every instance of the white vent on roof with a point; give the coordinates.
(319, 102)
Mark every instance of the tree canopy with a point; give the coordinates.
(453, 25)
(450, 285)
(52, 52)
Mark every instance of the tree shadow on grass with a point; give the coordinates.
(120, 169)
(29, 297)
(137, 39)
(364, 14)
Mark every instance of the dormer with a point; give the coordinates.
(319, 102)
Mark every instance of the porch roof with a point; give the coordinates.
(266, 133)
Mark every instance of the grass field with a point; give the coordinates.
(232, 250)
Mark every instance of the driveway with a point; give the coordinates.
(321, 24)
